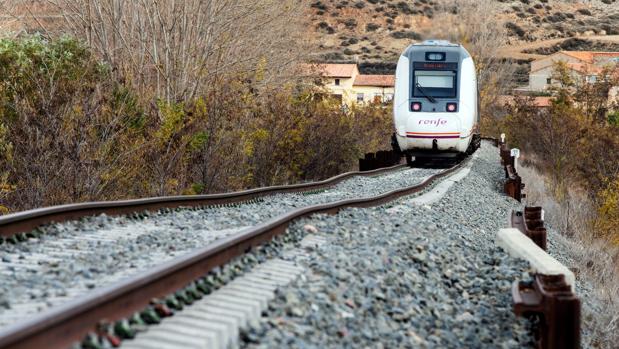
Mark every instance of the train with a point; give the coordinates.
(436, 102)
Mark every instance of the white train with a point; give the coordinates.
(436, 106)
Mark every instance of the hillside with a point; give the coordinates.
(376, 31)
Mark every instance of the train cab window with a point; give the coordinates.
(434, 83)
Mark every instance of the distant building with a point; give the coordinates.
(345, 83)
(579, 62)
(374, 88)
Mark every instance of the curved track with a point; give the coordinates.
(22, 222)
(68, 323)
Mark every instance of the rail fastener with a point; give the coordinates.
(550, 299)
(531, 223)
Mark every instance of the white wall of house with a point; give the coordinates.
(538, 80)
(541, 70)
(368, 94)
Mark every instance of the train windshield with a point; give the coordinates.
(435, 83)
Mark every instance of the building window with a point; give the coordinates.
(388, 97)
(337, 82)
(592, 79)
(359, 97)
(549, 81)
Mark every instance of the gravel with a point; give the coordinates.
(70, 259)
(404, 275)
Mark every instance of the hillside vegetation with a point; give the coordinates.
(378, 30)
(106, 107)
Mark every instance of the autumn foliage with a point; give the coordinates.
(71, 132)
(575, 141)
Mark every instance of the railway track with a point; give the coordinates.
(227, 284)
(343, 194)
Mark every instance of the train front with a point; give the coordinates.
(435, 102)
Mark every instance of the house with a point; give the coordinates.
(586, 63)
(345, 83)
(374, 88)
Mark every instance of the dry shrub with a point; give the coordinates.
(597, 262)
(174, 50)
(607, 223)
(66, 131)
(70, 133)
(575, 144)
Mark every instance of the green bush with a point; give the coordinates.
(70, 133)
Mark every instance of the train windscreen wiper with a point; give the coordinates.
(423, 92)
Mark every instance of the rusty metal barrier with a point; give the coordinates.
(531, 223)
(550, 300)
(506, 157)
(380, 159)
(513, 185)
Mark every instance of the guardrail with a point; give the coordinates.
(549, 298)
(531, 223)
(513, 185)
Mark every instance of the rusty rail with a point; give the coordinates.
(25, 221)
(61, 327)
(380, 159)
(549, 299)
(531, 223)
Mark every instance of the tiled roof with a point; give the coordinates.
(584, 68)
(375, 80)
(585, 56)
(588, 56)
(331, 70)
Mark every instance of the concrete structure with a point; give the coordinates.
(345, 83)
(581, 63)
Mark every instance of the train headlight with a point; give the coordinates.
(452, 107)
(416, 106)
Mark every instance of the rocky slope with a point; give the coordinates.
(371, 31)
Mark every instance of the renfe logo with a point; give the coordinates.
(438, 122)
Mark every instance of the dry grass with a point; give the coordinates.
(594, 259)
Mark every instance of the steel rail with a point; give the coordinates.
(25, 221)
(60, 327)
